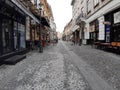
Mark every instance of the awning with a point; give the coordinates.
(75, 28)
(25, 10)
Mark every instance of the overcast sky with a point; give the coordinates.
(62, 12)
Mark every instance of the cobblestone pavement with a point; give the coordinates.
(51, 70)
(107, 65)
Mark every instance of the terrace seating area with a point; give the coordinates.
(113, 46)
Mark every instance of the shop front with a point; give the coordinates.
(12, 29)
(116, 28)
(94, 31)
(112, 27)
(108, 27)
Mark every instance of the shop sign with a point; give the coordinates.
(117, 17)
(101, 28)
(107, 27)
(92, 28)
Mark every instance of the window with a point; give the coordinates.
(88, 6)
(96, 2)
(6, 35)
(82, 9)
(15, 35)
(21, 35)
(116, 33)
(81, 1)
(35, 2)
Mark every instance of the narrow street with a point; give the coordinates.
(62, 68)
(59, 44)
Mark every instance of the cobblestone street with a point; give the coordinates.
(51, 70)
(44, 49)
(63, 67)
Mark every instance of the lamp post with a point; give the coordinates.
(40, 32)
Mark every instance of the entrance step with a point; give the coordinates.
(13, 60)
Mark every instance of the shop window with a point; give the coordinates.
(117, 34)
(15, 36)
(21, 36)
(6, 35)
(96, 30)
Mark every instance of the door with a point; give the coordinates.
(6, 35)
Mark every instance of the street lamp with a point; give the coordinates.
(40, 32)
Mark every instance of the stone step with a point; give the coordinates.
(13, 60)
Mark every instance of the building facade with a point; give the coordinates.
(12, 28)
(67, 34)
(20, 24)
(98, 20)
(103, 19)
(79, 11)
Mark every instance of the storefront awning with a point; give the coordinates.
(75, 28)
(25, 10)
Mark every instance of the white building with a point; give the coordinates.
(90, 16)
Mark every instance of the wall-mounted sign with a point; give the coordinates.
(101, 28)
(117, 17)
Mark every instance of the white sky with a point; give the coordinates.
(62, 12)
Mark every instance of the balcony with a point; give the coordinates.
(81, 18)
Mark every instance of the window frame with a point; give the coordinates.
(88, 6)
(96, 3)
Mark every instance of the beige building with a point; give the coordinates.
(67, 34)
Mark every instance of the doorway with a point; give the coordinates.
(6, 35)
